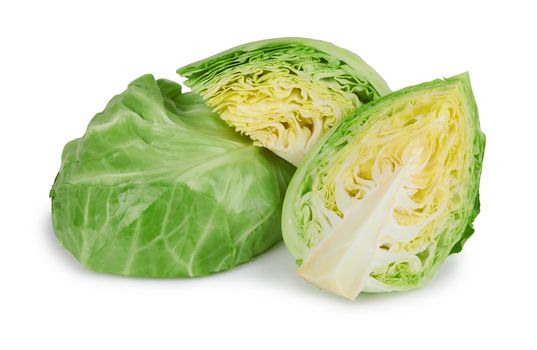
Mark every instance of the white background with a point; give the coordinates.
(61, 62)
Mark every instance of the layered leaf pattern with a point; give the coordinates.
(285, 93)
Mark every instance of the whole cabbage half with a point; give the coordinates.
(160, 186)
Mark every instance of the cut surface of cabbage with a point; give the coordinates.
(390, 193)
(284, 93)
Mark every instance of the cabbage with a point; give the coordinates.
(381, 202)
(284, 93)
(159, 186)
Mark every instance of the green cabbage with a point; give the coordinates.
(389, 193)
(284, 93)
(159, 186)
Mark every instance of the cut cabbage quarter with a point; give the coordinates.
(284, 93)
(381, 202)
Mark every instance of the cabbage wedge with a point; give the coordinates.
(284, 93)
(160, 186)
(389, 193)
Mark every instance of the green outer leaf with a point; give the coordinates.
(337, 138)
(159, 186)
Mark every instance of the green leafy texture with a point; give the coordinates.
(390, 192)
(159, 186)
(284, 93)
